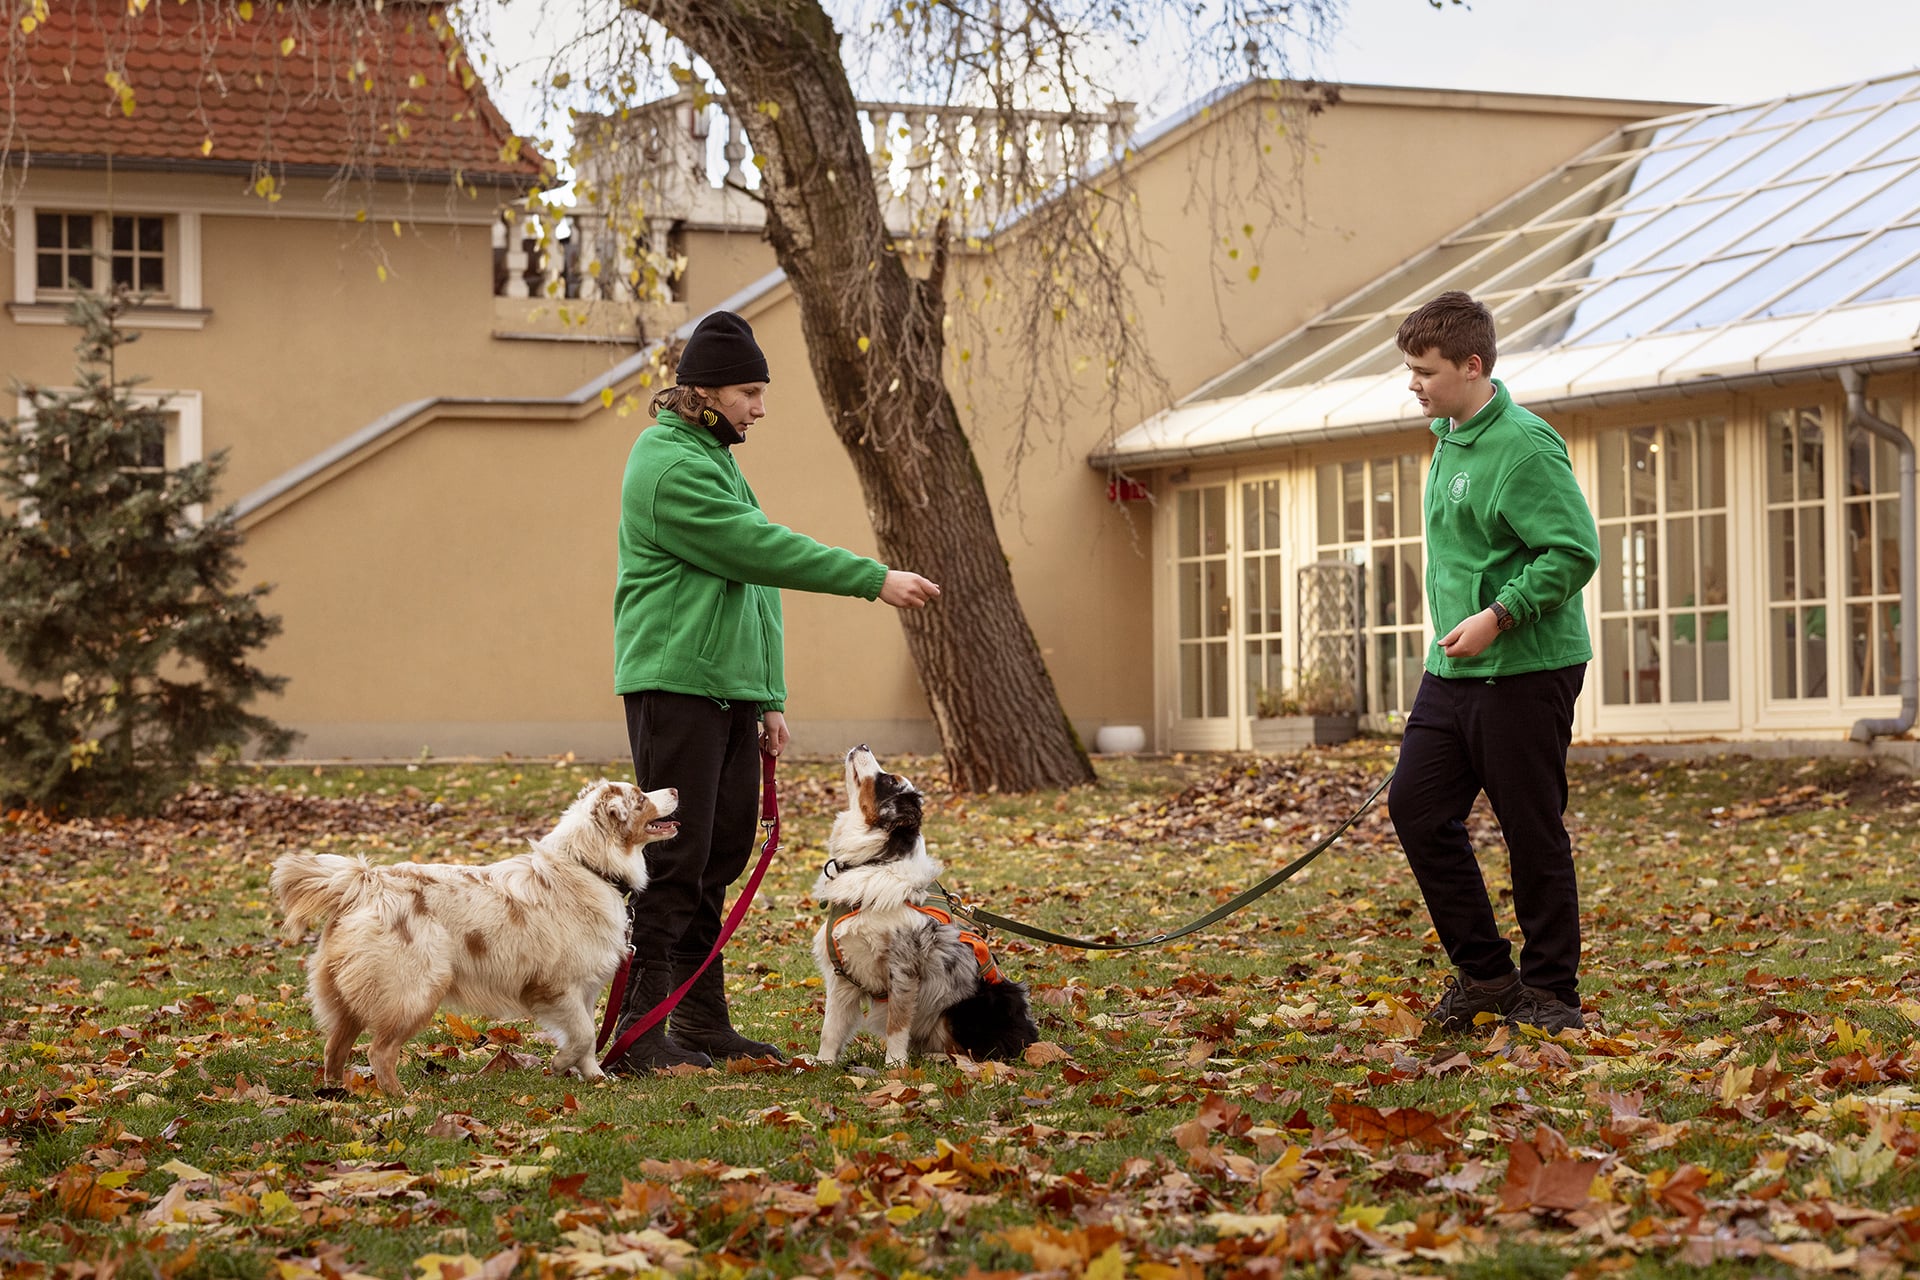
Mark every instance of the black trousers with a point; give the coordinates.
(1507, 737)
(710, 752)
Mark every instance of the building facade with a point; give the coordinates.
(1689, 302)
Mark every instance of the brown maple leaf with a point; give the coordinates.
(1380, 1127)
(1540, 1177)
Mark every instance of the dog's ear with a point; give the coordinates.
(897, 805)
(614, 803)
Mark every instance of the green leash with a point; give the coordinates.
(981, 916)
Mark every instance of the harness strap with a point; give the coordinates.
(989, 971)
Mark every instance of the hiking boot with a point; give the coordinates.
(700, 1020)
(648, 983)
(1467, 997)
(1545, 1010)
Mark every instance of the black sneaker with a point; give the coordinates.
(1467, 997)
(1546, 1011)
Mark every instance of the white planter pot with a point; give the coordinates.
(1120, 739)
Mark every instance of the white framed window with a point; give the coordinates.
(1664, 619)
(1798, 515)
(1368, 511)
(60, 250)
(1870, 547)
(185, 439)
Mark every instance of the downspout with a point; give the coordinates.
(1858, 415)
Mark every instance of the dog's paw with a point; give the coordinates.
(590, 1070)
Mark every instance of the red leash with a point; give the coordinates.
(770, 819)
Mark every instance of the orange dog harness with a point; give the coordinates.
(989, 971)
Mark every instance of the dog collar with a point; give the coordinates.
(620, 886)
(832, 868)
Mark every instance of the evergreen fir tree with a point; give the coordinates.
(128, 646)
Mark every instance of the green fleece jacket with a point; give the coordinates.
(1506, 521)
(697, 605)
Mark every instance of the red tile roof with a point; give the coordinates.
(296, 83)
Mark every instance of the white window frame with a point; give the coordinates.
(186, 437)
(181, 308)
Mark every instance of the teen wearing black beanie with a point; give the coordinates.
(699, 665)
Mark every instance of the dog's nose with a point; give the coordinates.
(674, 792)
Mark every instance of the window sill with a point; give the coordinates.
(151, 316)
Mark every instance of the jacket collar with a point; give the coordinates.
(668, 418)
(1471, 430)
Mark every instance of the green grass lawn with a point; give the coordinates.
(1254, 1100)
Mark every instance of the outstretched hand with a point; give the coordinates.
(906, 590)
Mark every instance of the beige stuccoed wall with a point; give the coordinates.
(720, 264)
(453, 592)
(306, 344)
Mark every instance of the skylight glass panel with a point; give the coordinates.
(1904, 283)
(1764, 281)
(1890, 204)
(1680, 293)
(1800, 108)
(1611, 299)
(1785, 151)
(1866, 264)
(1851, 150)
(1798, 220)
(1722, 155)
(1679, 221)
(1715, 218)
(1718, 233)
(1654, 167)
(1878, 92)
(1716, 123)
(1906, 147)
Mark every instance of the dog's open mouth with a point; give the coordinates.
(664, 827)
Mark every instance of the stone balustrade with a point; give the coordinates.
(683, 162)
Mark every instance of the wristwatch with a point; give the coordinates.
(1502, 618)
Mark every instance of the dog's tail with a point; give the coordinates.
(314, 886)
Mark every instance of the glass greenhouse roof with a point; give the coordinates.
(1698, 243)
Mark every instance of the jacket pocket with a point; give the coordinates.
(1456, 598)
(719, 613)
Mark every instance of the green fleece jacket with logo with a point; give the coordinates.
(1506, 522)
(697, 605)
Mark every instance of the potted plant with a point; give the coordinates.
(1319, 712)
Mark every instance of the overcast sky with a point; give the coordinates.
(1707, 51)
(1676, 50)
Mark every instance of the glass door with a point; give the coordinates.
(1203, 684)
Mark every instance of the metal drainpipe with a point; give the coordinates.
(1858, 415)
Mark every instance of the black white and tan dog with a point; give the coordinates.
(893, 965)
(536, 935)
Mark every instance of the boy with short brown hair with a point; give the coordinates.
(1510, 543)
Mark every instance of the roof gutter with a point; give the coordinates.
(1106, 459)
(1854, 379)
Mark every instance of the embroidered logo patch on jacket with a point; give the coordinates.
(1457, 491)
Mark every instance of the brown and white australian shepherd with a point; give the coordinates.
(537, 935)
(892, 966)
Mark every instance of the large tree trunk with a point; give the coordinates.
(875, 341)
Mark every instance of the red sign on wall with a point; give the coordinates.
(1123, 490)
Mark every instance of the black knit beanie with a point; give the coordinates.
(721, 353)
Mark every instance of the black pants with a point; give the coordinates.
(710, 752)
(1507, 737)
